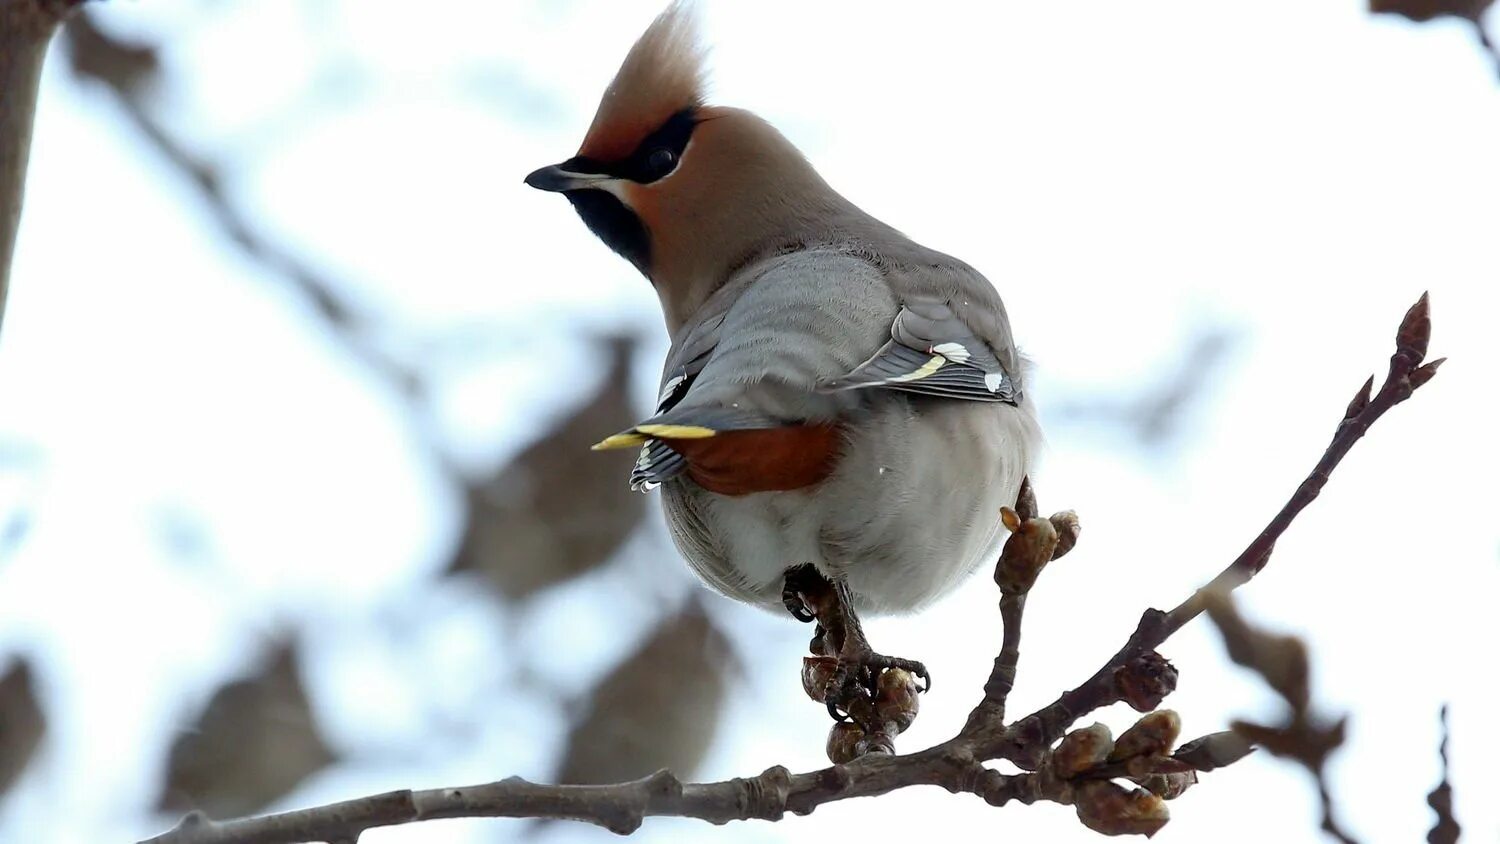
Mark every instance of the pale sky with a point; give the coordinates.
(1297, 171)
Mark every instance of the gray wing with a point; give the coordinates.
(782, 327)
(934, 353)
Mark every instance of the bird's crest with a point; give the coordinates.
(662, 75)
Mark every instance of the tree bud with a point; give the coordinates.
(1152, 735)
(1111, 809)
(1082, 750)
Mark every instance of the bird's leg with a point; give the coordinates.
(859, 666)
(840, 635)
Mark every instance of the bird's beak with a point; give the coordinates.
(555, 178)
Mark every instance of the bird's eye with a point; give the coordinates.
(661, 161)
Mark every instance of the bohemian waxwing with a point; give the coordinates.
(838, 400)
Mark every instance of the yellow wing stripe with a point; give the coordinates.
(676, 432)
(638, 436)
(625, 440)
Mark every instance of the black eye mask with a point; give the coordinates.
(656, 156)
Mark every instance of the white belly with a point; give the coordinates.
(912, 509)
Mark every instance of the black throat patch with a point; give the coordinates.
(615, 224)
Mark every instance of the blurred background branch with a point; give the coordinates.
(130, 73)
(26, 28)
(1421, 11)
(1158, 414)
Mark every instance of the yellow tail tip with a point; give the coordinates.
(677, 432)
(628, 439)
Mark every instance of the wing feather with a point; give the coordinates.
(932, 352)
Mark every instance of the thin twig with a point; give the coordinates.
(1003, 677)
(1032, 544)
(1023, 740)
(955, 764)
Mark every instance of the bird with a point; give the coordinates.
(842, 411)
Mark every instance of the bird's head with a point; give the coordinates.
(684, 190)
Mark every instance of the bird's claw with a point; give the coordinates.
(911, 665)
(795, 605)
(857, 677)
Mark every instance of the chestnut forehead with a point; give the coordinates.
(621, 138)
(661, 75)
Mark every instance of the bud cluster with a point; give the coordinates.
(873, 723)
(1091, 759)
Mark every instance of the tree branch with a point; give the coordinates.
(26, 28)
(1078, 772)
(1406, 374)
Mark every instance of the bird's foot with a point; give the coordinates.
(855, 684)
(846, 673)
(871, 697)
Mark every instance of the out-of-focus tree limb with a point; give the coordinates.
(1302, 735)
(1079, 772)
(1421, 11)
(255, 740)
(26, 28)
(23, 724)
(126, 70)
(659, 708)
(1446, 829)
(546, 517)
(1155, 414)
